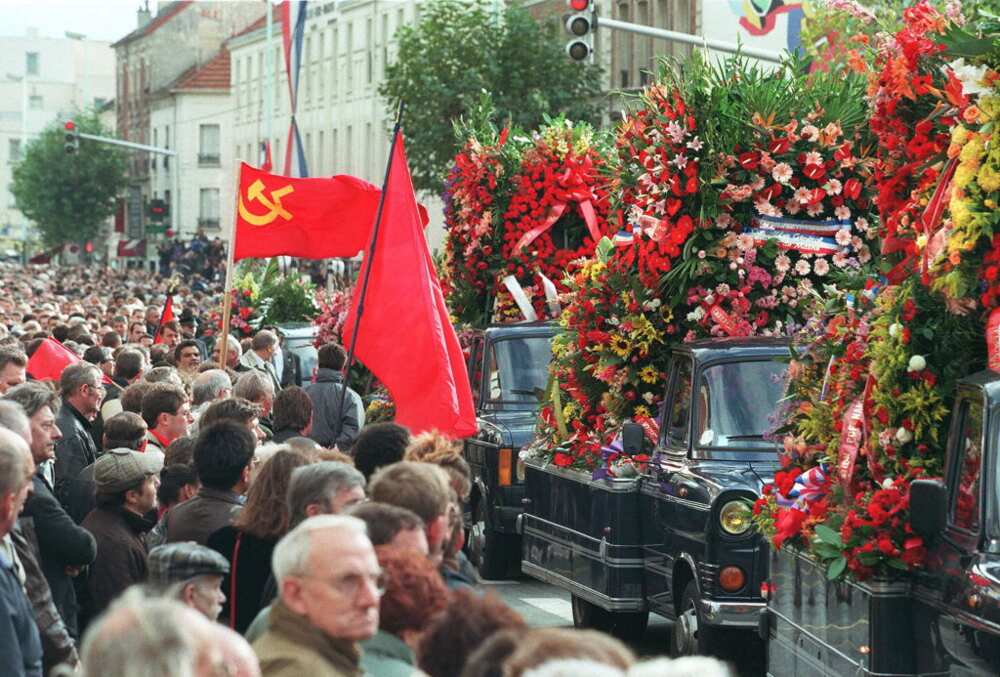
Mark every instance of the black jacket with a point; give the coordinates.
(325, 396)
(75, 451)
(121, 555)
(79, 494)
(61, 543)
(251, 569)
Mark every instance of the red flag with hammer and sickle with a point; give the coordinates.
(313, 218)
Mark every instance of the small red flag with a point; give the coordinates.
(425, 373)
(166, 316)
(49, 360)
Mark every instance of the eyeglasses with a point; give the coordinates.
(350, 585)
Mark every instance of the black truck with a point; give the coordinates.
(677, 538)
(941, 620)
(508, 371)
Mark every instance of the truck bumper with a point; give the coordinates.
(731, 614)
(507, 507)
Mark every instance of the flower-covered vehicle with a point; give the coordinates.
(942, 620)
(508, 369)
(671, 534)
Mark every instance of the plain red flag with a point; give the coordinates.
(49, 360)
(166, 316)
(405, 336)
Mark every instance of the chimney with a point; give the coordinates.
(143, 15)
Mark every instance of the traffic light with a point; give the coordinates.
(72, 138)
(158, 210)
(580, 25)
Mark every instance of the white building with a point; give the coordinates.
(43, 79)
(192, 116)
(341, 118)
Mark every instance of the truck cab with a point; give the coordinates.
(677, 539)
(508, 372)
(956, 624)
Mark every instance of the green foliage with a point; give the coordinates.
(69, 196)
(278, 298)
(458, 51)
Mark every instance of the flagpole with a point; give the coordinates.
(227, 298)
(368, 270)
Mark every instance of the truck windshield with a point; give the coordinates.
(735, 403)
(519, 370)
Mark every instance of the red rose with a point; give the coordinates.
(787, 524)
(814, 172)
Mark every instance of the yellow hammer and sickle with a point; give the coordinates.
(255, 193)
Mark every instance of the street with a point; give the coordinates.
(544, 605)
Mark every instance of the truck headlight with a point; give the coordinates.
(736, 517)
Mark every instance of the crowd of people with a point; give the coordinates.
(165, 513)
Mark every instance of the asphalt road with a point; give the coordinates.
(543, 605)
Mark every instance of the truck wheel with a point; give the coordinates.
(488, 550)
(691, 636)
(625, 625)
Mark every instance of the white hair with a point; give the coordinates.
(292, 553)
(573, 667)
(702, 666)
(209, 385)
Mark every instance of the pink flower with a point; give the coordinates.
(833, 187)
(810, 133)
(782, 263)
(766, 208)
(802, 196)
(695, 144)
(821, 267)
(840, 259)
(814, 209)
(782, 173)
(843, 237)
(813, 158)
(842, 213)
(802, 267)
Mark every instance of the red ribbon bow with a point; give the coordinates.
(571, 186)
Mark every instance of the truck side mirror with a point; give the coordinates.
(632, 438)
(928, 508)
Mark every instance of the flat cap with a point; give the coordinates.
(176, 562)
(121, 469)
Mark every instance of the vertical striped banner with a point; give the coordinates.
(293, 28)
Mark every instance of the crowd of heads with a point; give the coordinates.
(208, 525)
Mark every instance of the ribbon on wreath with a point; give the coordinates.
(854, 434)
(934, 235)
(993, 340)
(571, 187)
(807, 488)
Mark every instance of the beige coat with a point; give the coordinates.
(293, 648)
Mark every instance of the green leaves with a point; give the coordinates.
(827, 535)
(604, 249)
(836, 568)
(461, 49)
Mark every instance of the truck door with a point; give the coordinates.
(475, 367)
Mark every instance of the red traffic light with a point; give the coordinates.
(69, 126)
(578, 5)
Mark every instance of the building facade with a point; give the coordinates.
(341, 118)
(43, 79)
(182, 36)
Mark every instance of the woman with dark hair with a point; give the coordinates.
(249, 542)
(414, 595)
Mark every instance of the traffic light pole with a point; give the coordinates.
(127, 144)
(687, 38)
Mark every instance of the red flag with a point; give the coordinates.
(49, 360)
(166, 316)
(405, 336)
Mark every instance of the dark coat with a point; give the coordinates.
(251, 569)
(285, 434)
(121, 555)
(61, 543)
(75, 451)
(80, 494)
(20, 645)
(198, 518)
(325, 396)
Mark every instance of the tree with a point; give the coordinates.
(459, 50)
(69, 196)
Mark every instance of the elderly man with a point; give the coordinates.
(82, 392)
(191, 574)
(233, 352)
(207, 387)
(258, 358)
(20, 645)
(330, 585)
(64, 548)
(325, 488)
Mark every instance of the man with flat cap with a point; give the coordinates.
(191, 574)
(126, 492)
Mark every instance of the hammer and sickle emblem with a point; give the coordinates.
(255, 193)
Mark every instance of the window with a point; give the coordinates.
(13, 150)
(31, 63)
(309, 69)
(208, 145)
(349, 57)
(349, 155)
(519, 369)
(735, 404)
(321, 65)
(308, 150)
(35, 102)
(334, 49)
(333, 151)
(166, 144)
(369, 50)
(320, 168)
(385, 42)
(680, 411)
(369, 142)
(965, 507)
(208, 208)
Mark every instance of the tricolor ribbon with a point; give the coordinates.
(572, 186)
(807, 488)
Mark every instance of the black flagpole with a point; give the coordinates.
(369, 257)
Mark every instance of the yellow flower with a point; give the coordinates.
(649, 374)
(959, 135)
(989, 107)
(973, 150)
(964, 174)
(641, 410)
(988, 178)
(960, 214)
(619, 345)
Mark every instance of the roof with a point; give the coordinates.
(258, 25)
(214, 74)
(168, 13)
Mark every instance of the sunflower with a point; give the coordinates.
(620, 345)
(649, 374)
